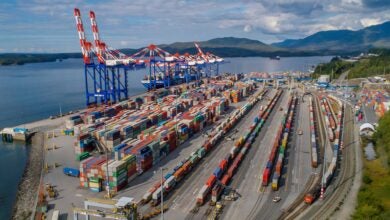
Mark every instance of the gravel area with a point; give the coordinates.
(29, 184)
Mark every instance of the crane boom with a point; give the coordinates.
(86, 47)
(99, 45)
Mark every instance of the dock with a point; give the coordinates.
(14, 134)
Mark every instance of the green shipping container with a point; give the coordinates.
(82, 156)
(194, 159)
(119, 172)
(201, 152)
(281, 150)
(94, 180)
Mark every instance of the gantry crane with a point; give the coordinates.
(105, 70)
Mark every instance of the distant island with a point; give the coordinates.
(335, 42)
(20, 59)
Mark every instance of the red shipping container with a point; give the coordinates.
(211, 180)
(223, 164)
(239, 158)
(266, 175)
(225, 179)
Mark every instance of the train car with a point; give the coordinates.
(225, 179)
(169, 183)
(157, 196)
(266, 175)
(201, 197)
(275, 182)
(312, 195)
(216, 193)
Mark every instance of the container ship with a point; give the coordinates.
(181, 69)
(177, 79)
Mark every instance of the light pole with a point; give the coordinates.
(60, 109)
(162, 193)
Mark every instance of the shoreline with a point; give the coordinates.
(28, 186)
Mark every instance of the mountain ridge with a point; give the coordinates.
(338, 40)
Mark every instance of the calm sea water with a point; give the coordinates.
(36, 91)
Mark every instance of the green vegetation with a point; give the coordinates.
(365, 67)
(374, 194)
(20, 59)
(337, 65)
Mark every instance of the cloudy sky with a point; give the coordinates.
(49, 25)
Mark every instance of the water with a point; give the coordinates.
(35, 91)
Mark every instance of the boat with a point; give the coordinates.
(275, 58)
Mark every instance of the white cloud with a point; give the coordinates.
(137, 23)
(248, 28)
(370, 21)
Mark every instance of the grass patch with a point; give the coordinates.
(374, 194)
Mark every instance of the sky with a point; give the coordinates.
(48, 26)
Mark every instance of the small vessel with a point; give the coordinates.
(275, 58)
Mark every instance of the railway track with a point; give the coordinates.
(345, 174)
(299, 206)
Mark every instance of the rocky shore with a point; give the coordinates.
(29, 185)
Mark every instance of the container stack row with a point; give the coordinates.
(152, 132)
(376, 99)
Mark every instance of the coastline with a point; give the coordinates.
(25, 204)
(28, 187)
(29, 183)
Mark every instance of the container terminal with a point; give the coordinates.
(197, 145)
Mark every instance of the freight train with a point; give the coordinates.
(279, 146)
(336, 143)
(286, 123)
(314, 148)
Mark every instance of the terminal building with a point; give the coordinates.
(323, 81)
(366, 130)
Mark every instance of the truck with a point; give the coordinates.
(71, 172)
(55, 215)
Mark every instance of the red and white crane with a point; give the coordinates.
(86, 46)
(150, 52)
(208, 57)
(107, 55)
